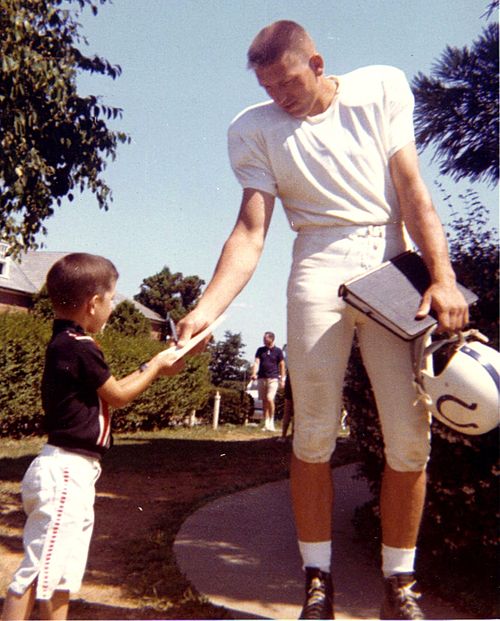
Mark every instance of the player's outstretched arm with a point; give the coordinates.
(237, 262)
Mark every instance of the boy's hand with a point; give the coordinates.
(168, 365)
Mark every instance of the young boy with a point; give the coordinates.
(58, 488)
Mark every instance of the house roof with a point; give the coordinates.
(28, 274)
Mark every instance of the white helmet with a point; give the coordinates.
(464, 394)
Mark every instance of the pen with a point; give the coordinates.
(172, 329)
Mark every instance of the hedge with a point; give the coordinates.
(24, 339)
(236, 406)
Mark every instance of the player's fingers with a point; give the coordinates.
(185, 330)
(445, 323)
(458, 319)
(425, 306)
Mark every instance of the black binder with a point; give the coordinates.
(391, 293)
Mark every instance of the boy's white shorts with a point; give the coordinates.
(58, 492)
(321, 327)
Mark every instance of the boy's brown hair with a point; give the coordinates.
(77, 277)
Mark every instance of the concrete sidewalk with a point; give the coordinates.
(241, 553)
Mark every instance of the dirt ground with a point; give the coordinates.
(121, 509)
(142, 482)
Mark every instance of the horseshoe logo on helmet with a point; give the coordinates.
(444, 398)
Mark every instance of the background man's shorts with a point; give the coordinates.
(268, 387)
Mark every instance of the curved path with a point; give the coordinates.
(240, 552)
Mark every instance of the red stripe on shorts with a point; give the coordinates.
(45, 571)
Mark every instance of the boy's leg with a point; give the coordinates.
(56, 607)
(18, 606)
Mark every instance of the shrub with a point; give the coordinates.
(24, 339)
(42, 306)
(169, 399)
(127, 319)
(236, 406)
(460, 526)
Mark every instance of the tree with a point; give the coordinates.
(42, 306)
(128, 320)
(491, 8)
(457, 109)
(227, 366)
(53, 141)
(170, 293)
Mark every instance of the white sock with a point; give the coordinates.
(397, 560)
(316, 554)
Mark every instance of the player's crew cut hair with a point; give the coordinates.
(274, 40)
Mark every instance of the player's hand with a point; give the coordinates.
(449, 305)
(189, 326)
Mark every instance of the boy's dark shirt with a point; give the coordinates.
(269, 357)
(76, 418)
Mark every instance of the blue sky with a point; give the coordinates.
(184, 78)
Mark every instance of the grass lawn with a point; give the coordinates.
(151, 483)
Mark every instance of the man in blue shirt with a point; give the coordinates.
(269, 370)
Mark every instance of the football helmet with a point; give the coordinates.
(461, 391)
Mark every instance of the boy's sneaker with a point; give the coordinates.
(400, 601)
(319, 595)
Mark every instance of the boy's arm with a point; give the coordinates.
(119, 393)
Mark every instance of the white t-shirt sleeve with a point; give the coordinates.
(249, 159)
(400, 103)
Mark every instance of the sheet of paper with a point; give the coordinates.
(177, 352)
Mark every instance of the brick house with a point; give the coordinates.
(21, 280)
